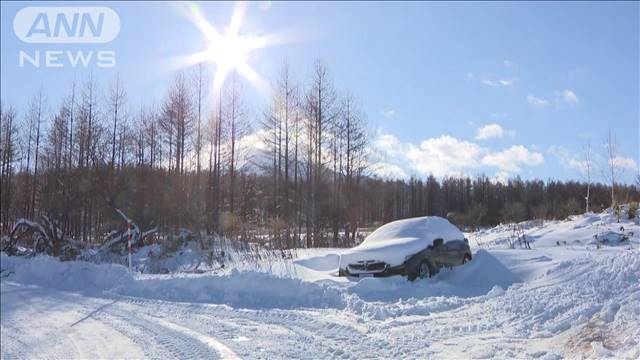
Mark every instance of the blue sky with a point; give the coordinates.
(499, 88)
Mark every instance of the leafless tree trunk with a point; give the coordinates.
(613, 168)
(321, 111)
(117, 97)
(237, 127)
(8, 131)
(588, 169)
(36, 115)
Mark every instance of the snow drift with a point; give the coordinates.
(254, 289)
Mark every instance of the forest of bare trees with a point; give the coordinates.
(294, 172)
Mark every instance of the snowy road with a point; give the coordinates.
(544, 303)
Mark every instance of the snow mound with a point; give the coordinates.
(246, 289)
(483, 271)
(476, 278)
(78, 276)
(328, 262)
(255, 289)
(588, 229)
(485, 277)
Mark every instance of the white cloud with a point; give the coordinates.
(572, 160)
(625, 162)
(445, 155)
(388, 113)
(570, 97)
(512, 158)
(500, 177)
(388, 171)
(568, 158)
(489, 132)
(388, 144)
(510, 64)
(490, 82)
(499, 82)
(506, 82)
(537, 102)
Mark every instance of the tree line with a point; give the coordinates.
(291, 175)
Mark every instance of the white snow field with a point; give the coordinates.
(567, 301)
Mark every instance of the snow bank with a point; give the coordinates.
(328, 262)
(578, 230)
(484, 271)
(485, 277)
(255, 289)
(78, 276)
(246, 289)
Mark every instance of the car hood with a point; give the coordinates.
(393, 251)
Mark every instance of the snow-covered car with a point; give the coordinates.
(416, 248)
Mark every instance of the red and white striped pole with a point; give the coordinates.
(129, 241)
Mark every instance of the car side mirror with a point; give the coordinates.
(437, 242)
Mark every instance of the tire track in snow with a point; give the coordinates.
(224, 351)
(157, 341)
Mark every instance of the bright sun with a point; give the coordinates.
(229, 51)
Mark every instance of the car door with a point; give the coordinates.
(452, 252)
(439, 252)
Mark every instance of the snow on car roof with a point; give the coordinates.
(431, 227)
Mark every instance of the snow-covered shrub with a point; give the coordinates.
(174, 242)
(617, 209)
(42, 236)
(633, 210)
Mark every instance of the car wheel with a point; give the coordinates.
(424, 270)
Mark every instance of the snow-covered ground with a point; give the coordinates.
(569, 300)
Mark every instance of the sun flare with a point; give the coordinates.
(229, 51)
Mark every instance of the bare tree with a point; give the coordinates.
(117, 98)
(237, 126)
(8, 151)
(279, 135)
(588, 169)
(88, 124)
(353, 135)
(178, 121)
(321, 110)
(200, 93)
(215, 134)
(71, 106)
(613, 170)
(36, 115)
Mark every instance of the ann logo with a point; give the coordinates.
(62, 24)
(66, 25)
